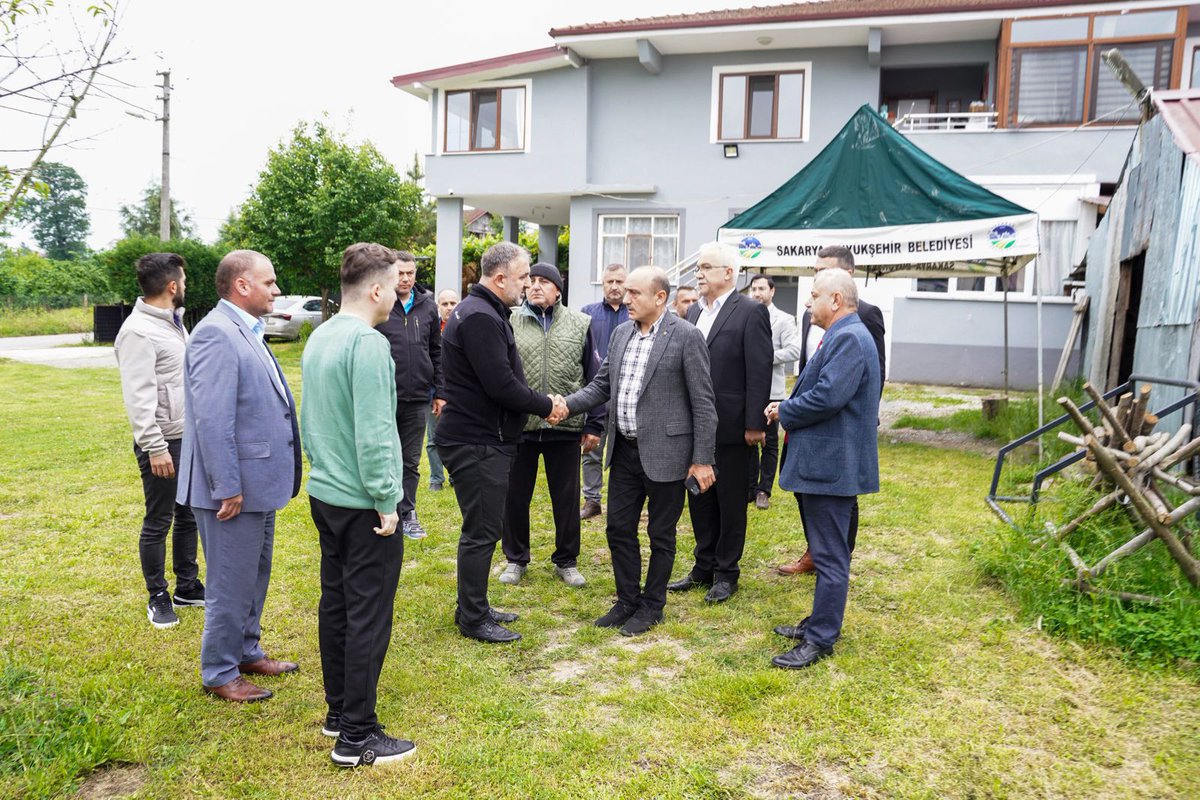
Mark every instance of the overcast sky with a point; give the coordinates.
(245, 73)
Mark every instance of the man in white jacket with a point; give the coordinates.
(149, 350)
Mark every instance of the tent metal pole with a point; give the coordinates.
(1004, 283)
(1037, 282)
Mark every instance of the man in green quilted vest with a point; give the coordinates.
(556, 348)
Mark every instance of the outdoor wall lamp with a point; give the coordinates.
(731, 151)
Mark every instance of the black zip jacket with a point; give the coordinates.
(483, 383)
(416, 341)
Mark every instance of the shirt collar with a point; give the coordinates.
(253, 323)
(716, 304)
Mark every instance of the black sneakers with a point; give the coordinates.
(642, 621)
(193, 597)
(333, 725)
(617, 616)
(376, 748)
(159, 611)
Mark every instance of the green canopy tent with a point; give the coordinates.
(900, 211)
(903, 213)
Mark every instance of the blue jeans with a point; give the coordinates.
(437, 473)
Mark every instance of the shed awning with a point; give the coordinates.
(901, 212)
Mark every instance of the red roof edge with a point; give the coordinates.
(467, 68)
(736, 17)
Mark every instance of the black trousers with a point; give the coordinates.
(628, 490)
(410, 423)
(481, 475)
(719, 517)
(762, 468)
(359, 572)
(161, 512)
(562, 479)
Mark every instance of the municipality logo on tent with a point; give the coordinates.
(749, 247)
(1003, 236)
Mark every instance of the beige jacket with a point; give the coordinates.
(149, 352)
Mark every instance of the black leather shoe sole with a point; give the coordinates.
(721, 591)
(796, 631)
(684, 584)
(801, 656)
(490, 633)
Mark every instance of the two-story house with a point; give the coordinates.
(646, 135)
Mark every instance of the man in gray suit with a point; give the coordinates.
(662, 421)
(832, 456)
(240, 463)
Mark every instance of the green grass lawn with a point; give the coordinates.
(940, 686)
(44, 322)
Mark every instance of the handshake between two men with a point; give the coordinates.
(588, 442)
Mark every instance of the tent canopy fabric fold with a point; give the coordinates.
(902, 212)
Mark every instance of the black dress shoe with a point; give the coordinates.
(721, 591)
(641, 622)
(687, 582)
(802, 655)
(617, 616)
(489, 631)
(503, 617)
(796, 631)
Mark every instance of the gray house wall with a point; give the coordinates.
(961, 342)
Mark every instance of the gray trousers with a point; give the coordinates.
(593, 470)
(238, 555)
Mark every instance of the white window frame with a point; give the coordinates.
(444, 92)
(714, 130)
(600, 236)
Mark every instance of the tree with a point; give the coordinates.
(425, 231)
(317, 195)
(59, 217)
(43, 81)
(141, 219)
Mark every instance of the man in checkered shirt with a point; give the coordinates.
(657, 384)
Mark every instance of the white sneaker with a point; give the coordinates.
(512, 573)
(570, 576)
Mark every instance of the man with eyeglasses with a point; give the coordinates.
(738, 333)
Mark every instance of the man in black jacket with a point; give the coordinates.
(740, 352)
(487, 400)
(414, 331)
(810, 337)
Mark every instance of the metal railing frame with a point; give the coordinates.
(993, 500)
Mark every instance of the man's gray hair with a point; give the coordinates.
(720, 254)
(659, 282)
(840, 281)
(499, 256)
(614, 268)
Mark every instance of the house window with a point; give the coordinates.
(768, 101)
(1055, 74)
(639, 240)
(485, 120)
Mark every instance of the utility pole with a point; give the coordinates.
(164, 200)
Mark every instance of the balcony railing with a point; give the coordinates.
(956, 121)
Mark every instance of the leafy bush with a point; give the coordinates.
(119, 265)
(29, 275)
(305, 331)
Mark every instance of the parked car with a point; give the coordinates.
(291, 311)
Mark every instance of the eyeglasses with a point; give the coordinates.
(707, 267)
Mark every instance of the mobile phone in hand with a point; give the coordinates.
(693, 485)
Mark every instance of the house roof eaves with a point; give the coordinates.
(805, 12)
(524, 58)
(1181, 112)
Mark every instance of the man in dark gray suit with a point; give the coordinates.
(835, 256)
(832, 456)
(240, 463)
(661, 426)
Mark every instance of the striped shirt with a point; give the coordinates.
(633, 370)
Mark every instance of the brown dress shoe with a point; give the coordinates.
(762, 501)
(268, 666)
(239, 690)
(801, 566)
(590, 509)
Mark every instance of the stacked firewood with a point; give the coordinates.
(1133, 466)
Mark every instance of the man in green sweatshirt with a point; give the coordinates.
(347, 424)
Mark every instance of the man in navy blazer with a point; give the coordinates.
(240, 463)
(832, 455)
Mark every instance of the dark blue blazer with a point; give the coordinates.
(831, 416)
